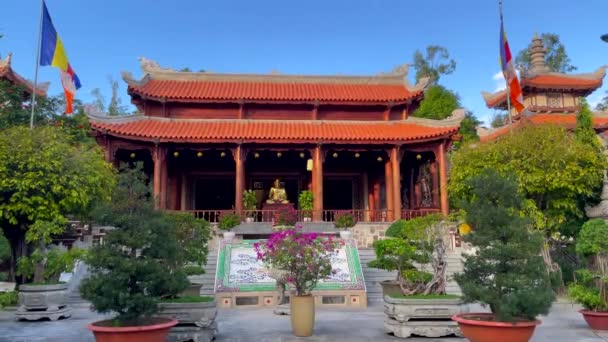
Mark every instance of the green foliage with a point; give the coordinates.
(5, 249)
(229, 220)
(249, 200)
(592, 238)
(438, 103)
(192, 235)
(191, 270)
(588, 289)
(305, 202)
(506, 272)
(556, 173)
(584, 126)
(603, 104)
(499, 119)
(468, 129)
(413, 229)
(136, 265)
(556, 57)
(8, 299)
(286, 218)
(46, 265)
(435, 63)
(344, 220)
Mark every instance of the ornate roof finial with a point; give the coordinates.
(537, 56)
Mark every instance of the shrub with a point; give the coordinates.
(305, 202)
(343, 220)
(286, 217)
(229, 220)
(44, 266)
(250, 201)
(404, 228)
(506, 272)
(192, 235)
(8, 299)
(191, 270)
(590, 288)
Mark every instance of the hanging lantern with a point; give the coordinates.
(309, 165)
(418, 156)
(222, 154)
(379, 159)
(199, 154)
(176, 154)
(335, 155)
(279, 154)
(256, 155)
(357, 155)
(132, 155)
(302, 155)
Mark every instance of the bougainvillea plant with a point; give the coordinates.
(306, 257)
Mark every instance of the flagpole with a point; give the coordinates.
(505, 76)
(37, 65)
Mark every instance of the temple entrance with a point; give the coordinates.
(338, 194)
(214, 193)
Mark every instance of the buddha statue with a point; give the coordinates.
(277, 194)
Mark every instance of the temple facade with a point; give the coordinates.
(549, 97)
(204, 138)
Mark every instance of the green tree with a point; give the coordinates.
(498, 119)
(506, 272)
(603, 105)
(45, 176)
(435, 63)
(584, 126)
(115, 106)
(468, 128)
(556, 57)
(438, 103)
(16, 106)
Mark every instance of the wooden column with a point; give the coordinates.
(365, 196)
(317, 183)
(108, 151)
(184, 197)
(164, 181)
(158, 155)
(443, 179)
(396, 170)
(435, 183)
(239, 160)
(389, 187)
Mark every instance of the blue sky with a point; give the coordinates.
(104, 37)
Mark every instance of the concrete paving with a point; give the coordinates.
(563, 324)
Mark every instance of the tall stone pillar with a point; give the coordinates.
(317, 183)
(389, 187)
(396, 171)
(443, 179)
(239, 160)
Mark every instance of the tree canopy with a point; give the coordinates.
(434, 63)
(584, 126)
(557, 174)
(438, 103)
(556, 57)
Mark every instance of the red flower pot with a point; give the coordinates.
(481, 327)
(596, 320)
(155, 332)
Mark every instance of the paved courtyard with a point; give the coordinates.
(564, 323)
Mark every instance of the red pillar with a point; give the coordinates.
(396, 171)
(443, 179)
(159, 164)
(239, 160)
(317, 182)
(389, 187)
(435, 183)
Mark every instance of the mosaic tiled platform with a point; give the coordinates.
(241, 275)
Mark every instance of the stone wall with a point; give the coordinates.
(366, 233)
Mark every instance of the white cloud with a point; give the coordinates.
(499, 81)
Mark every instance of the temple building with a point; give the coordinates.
(549, 97)
(8, 74)
(204, 138)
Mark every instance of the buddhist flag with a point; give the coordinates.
(508, 70)
(52, 53)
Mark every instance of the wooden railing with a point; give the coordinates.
(270, 216)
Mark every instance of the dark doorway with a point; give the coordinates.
(214, 193)
(338, 194)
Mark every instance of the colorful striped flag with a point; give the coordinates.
(52, 53)
(508, 70)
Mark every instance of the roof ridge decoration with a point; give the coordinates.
(6, 70)
(7, 60)
(152, 70)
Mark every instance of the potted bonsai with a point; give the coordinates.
(134, 267)
(45, 296)
(306, 258)
(590, 288)
(343, 221)
(506, 272)
(250, 202)
(305, 203)
(285, 219)
(229, 220)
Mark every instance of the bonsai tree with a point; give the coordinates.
(305, 203)
(135, 266)
(192, 234)
(286, 218)
(44, 266)
(250, 202)
(507, 271)
(591, 286)
(229, 220)
(344, 220)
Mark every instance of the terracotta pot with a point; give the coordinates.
(390, 288)
(596, 320)
(145, 333)
(302, 315)
(479, 327)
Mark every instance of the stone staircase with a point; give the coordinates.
(208, 279)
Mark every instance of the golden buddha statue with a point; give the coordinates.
(277, 194)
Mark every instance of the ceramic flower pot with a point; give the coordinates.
(596, 320)
(481, 327)
(302, 315)
(157, 331)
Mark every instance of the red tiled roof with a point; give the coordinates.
(271, 131)
(565, 119)
(6, 72)
(562, 82)
(274, 91)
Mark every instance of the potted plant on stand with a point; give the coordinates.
(591, 286)
(306, 259)
(343, 221)
(250, 203)
(229, 220)
(134, 267)
(45, 296)
(506, 272)
(305, 203)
